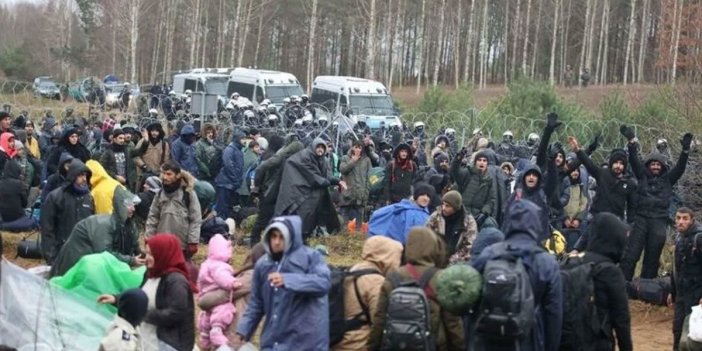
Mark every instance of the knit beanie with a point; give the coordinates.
(132, 305)
(440, 157)
(117, 132)
(618, 155)
(423, 189)
(454, 199)
(154, 183)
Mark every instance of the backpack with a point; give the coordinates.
(338, 324)
(408, 316)
(507, 309)
(654, 291)
(582, 326)
(250, 174)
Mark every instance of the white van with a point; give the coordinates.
(257, 85)
(357, 98)
(208, 83)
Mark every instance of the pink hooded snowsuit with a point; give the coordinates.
(217, 273)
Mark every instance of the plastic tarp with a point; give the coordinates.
(36, 315)
(98, 274)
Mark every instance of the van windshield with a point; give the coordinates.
(217, 86)
(373, 105)
(276, 93)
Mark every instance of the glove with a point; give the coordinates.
(594, 144)
(627, 132)
(192, 249)
(480, 219)
(686, 141)
(463, 152)
(552, 122)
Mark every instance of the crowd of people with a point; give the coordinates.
(498, 208)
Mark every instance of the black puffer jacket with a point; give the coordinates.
(608, 236)
(612, 192)
(62, 210)
(654, 192)
(175, 309)
(687, 277)
(13, 193)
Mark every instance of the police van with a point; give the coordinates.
(258, 84)
(208, 81)
(358, 99)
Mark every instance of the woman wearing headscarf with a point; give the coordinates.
(170, 318)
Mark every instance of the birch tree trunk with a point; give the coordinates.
(195, 22)
(535, 51)
(134, 37)
(601, 42)
(457, 46)
(591, 36)
(629, 42)
(420, 59)
(370, 43)
(258, 36)
(439, 39)
(484, 47)
(605, 51)
(235, 34)
(554, 40)
(505, 40)
(676, 42)
(310, 45)
(642, 39)
(515, 37)
(526, 39)
(242, 38)
(157, 49)
(469, 45)
(586, 30)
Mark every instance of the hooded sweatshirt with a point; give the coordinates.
(232, 173)
(183, 152)
(612, 192)
(382, 255)
(57, 179)
(297, 314)
(78, 151)
(103, 187)
(538, 195)
(608, 238)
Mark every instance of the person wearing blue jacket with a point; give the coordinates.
(289, 287)
(230, 177)
(523, 229)
(183, 150)
(395, 220)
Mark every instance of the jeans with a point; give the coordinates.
(648, 236)
(226, 200)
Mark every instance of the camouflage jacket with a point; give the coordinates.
(461, 252)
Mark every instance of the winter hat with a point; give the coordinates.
(440, 157)
(117, 132)
(481, 154)
(275, 143)
(618, 155)
(458, 287)
(18, 145)
(423, 189)
(132, 305)
(262, 142)
(485, 238)
(509, 166)
(154, 184)
(454, 199)
(4, 114)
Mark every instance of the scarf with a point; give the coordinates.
(118, 148)
(80, 189)
(168, 258)
(170, 188)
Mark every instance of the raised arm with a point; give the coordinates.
(680, 166)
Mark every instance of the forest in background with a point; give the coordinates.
(398, 42)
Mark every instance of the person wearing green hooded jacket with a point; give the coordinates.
(114, 233)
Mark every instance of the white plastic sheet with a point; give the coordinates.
(37, 315)
(695, 333)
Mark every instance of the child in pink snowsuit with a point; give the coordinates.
(216, 274)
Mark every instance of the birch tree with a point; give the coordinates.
(526, 39)
(421, 46)
(554, 39)
(516, 28)
(629, 41)
(310, 46)
(642, 40)
(469, 45)
(437, 60)
(676, 41)
(484, 47)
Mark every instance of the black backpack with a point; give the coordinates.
(507, 309)
(338, 324)
(408, 317)
(582, 326)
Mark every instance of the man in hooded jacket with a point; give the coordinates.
(151, 151)
(230, 177)
(533, 187)
(424, 251)
(305, 189)
(289, 287)
(63, 208)
(183, 150)
(114, 233)
(652, 201)
(355, 168)
(522, 235)
(382, 255)
(608, 237)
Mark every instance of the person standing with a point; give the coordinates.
(206, 152)
(183, 150)
(117, 161)
(32, 143)
(400, 174)
(230, 177)
(151, 151)
(355, 169)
